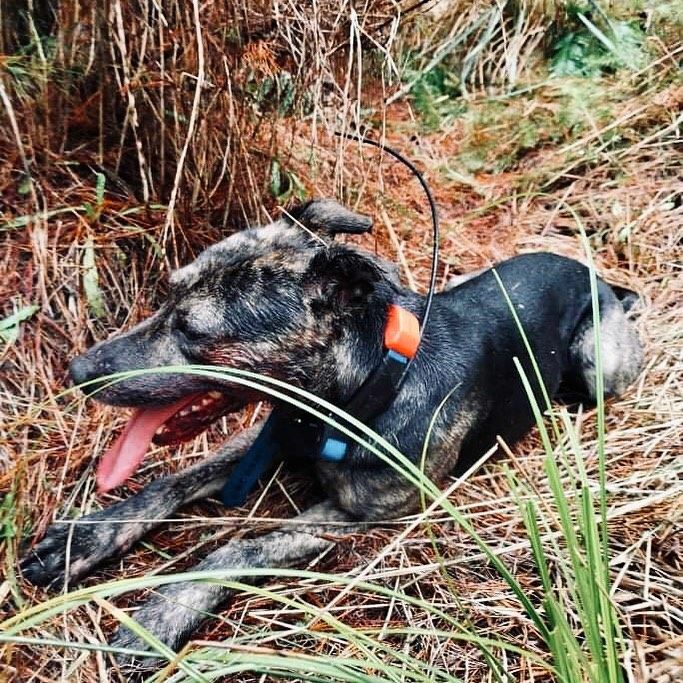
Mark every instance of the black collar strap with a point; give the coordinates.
(377, 393)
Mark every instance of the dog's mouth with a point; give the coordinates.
(164, 426)
(193, 415)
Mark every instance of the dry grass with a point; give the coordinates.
(121, 97)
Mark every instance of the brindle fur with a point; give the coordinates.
(294, 305)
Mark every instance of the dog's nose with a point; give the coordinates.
(81, 369)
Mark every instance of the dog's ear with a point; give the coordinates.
(330, 217)
(343, 278)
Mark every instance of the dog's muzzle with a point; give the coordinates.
(82, 369)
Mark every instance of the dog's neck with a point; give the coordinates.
(351, 359)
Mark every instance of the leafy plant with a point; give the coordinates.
(275, 93)
(9, 327)
(586, 50)
(9, 535)
(285, 184)
(436, 95)
(91, 281)
(93, 211)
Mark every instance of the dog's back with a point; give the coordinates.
(551, 296)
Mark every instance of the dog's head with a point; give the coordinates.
(282, 300)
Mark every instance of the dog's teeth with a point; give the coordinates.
(161, 430)
(215, 394)
(184, 411)
(195, 408)
(207, 401)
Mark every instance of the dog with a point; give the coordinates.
(286, 301)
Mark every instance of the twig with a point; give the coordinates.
(193, 120)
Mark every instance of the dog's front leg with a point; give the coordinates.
(74, 549)
(176, 610)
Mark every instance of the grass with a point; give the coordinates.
(588, 569)
(559, 559)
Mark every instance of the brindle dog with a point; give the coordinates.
(289, 303)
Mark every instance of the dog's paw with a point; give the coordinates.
(171, 616)
(136, 666)
(133, 666)
(75, 548)
(64, 549)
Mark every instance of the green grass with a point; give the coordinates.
(590, 47)
(584, 532)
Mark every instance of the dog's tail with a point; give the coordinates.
(628, 298)
(621, 350)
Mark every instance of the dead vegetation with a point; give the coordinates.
(134, 135)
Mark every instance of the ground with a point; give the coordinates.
(521, 173)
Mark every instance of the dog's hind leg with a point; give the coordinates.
(73, 549)
(176, 610)
(622, 353)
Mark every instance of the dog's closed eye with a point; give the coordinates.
(188, 330)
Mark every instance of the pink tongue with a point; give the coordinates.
(128, 451)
